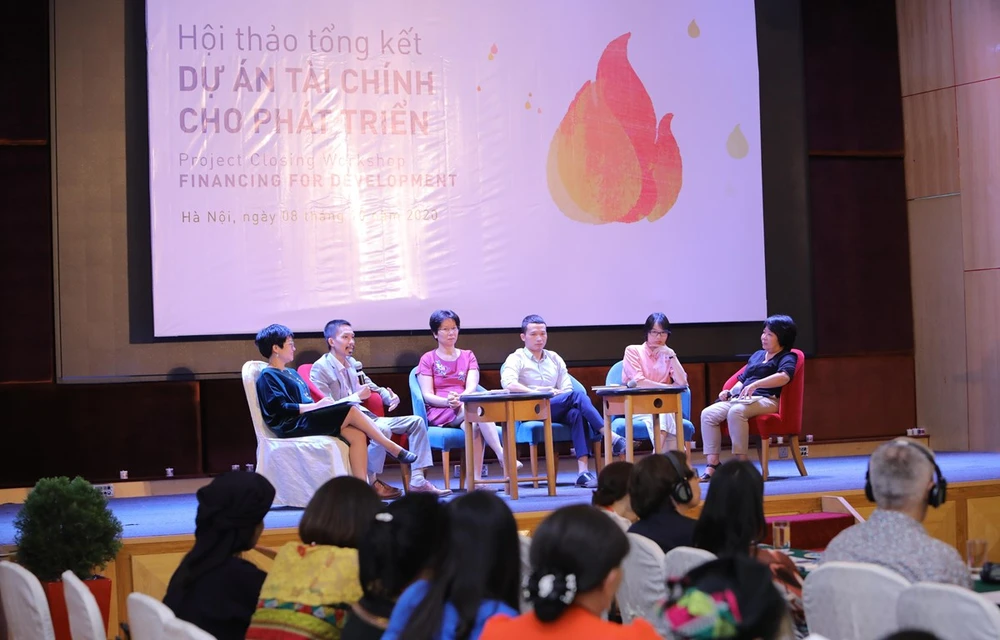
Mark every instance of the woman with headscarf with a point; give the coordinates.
(213, 587)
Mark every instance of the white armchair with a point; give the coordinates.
(948, 611)
(852, 600)
(24, 604)
(643, 586)
(680, 560)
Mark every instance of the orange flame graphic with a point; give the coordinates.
(608, 160)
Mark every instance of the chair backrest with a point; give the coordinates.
(615, 377)
(790, 402)
(948, 611)
(251, 373)
(147, 617)
(373, 403)
(177, 629)
(417, 397)
(852, 600)
(680, 560)
(85, 621)
(24, 604)
(643, 585)
(525, 552)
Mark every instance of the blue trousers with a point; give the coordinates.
(576, 411)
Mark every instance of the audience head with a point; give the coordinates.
(576, 555)
(657, 322)
(482, 563)
(731, 597)
(732, 517)
(442, 321)
(339, 512)
(911, 634)
(400, 542)
(901, 475)
(339, 336)
(271, 337)
(783, 328)
(612, 489)
(658, 480)
(230, 519)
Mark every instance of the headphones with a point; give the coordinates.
(938, 491)
(680, 489)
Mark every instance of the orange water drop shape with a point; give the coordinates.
(693, 29)
(737, 145)
(527, 105)
(478, 88)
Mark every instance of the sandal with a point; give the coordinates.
(707, 477)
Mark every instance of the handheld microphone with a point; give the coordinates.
(631, 384)
(354, 364)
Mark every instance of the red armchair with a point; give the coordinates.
(787, 422)
(373, 404)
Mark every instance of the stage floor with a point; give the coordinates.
(174, 515)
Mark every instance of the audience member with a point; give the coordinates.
(335, 376)
(903, 480)
(213, 588)
(444, 375)
(535, 369)
(288, 408)
(756, 392)
(654, 364)
(731, 597)
(732, 524)
(312, 583)
(576, 557)
(611, 494)
(400, 543)
(478, 577)
(660, 488)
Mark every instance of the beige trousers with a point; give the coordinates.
(737, 415)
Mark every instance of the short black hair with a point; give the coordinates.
(339, 513)
(439, 316)
(732, 516)
(273, 335)
(333, 327)
(532, 319)
(612, 484)
(657, 318)
(783, 327)
(651, 482)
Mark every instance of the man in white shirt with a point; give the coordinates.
(535, 369)
(335, 376)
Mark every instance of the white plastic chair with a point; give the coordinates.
(680, 560)
(297, 467)
(852, 600)
(147, 617)
(178, 629)
(85, 621)
(643, 587)
(948, 611)
(24, 604)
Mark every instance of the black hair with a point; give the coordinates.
(483, 562)
(577, 541)
(532, 319)
(612, 484)
(654, 319)
(333, 327)
(783, 327)
(338, 512)
(400, 542)
(652, 481)
(273, 335)
(439, 316)
(732, 516)
(911, 634)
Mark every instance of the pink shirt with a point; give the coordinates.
(448, 375)
(656, 365)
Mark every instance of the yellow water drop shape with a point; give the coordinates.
(489, 57)
(693, 29)
(737, 145)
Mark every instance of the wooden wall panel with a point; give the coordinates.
(931, 129)
(938, 285)
(926, 60)
(982, 313)
(227, 430)
(978, 132)
(975, 25)
(984, 524)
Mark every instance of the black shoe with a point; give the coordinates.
(707, 477)
(406, 457)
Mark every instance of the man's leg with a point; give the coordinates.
(565, 410)
(416, 431)
(376, 463)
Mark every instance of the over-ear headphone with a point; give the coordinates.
(938, 491)
(680, 489)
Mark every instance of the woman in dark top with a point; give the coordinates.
(290, 412)
(755, 393)
(660, 489)
(213, 587)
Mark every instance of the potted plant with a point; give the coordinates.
(66, 524)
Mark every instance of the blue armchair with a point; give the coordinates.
(639, 431)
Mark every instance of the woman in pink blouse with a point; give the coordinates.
(444, 375)
(654, 364)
